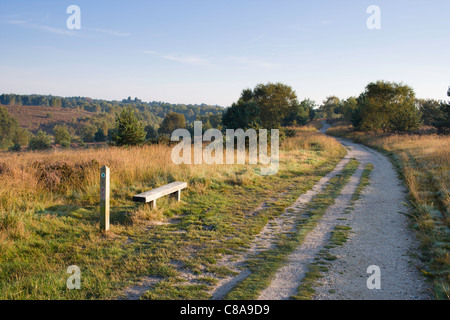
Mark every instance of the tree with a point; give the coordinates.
(386, 106)
(298, 114)
(40, 141)
(21, 136)
(348, 107)
(431, 110)
(151, 133)
(266, 106)
(436, 113)
(406, 119)
(309, 105)
(330, 106)
(275, 101)
(61, 134)
(242, 115)
(88, 133)
(10, 131)
(100, 135)
(171, 122)
(55, 102)
(129, 130)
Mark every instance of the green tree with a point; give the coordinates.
(40, 141)
(100, 135)
(267, 106)
(348, 106)
(61, 134)
(151, 133)
(88, 133)
(276, 101)
(129, 130)
(387, 106)
(21, 136)
(242, 115)
(298, 115)
(309, 105)
(7, 99)
(431, 111)
(10, 131)
(55, 102)
(330, 107)
(171, 122)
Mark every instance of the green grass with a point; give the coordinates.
(320, 266)
(264, 265)
(363, 182)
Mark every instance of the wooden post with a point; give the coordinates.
(104, 198)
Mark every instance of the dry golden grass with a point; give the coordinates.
(35, 180)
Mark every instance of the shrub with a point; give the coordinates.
(65, 144)
(15, 147)
(41, 141)
(61, 134)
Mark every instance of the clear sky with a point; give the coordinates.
(208, 51)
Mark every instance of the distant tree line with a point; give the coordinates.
(151, 112)
(383, 106)
(101, 126)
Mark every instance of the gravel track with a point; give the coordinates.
(380, 236)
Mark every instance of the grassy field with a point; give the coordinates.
(49, 217)
(423, 162)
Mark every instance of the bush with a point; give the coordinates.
(65, 144)
(15, 147)
(61, 134)
(41, 141)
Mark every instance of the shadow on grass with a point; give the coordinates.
(91, 214)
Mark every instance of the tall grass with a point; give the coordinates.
(423, 161)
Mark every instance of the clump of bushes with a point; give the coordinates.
(62, 175)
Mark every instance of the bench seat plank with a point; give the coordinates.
(160, 192)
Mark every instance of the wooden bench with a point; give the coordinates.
(173, 189)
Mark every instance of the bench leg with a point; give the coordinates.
(177, 195)
(153, 204)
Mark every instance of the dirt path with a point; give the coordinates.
(380, 236)
(266, 238)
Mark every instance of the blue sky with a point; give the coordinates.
(209, 51)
